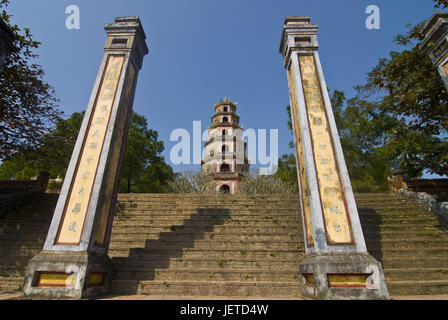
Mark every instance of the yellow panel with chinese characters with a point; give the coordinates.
(82, 185)
(301, 159)
(337, 222)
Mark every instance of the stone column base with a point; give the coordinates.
(56, 275)
(343, 277)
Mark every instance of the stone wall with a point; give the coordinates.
(427, 201)
(14, 193)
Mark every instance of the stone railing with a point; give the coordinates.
(431, 186)
(427, 201)
(14, 193)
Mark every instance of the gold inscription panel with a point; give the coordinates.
(105, 210)
(337, 222)
(71, 227)
(301, 159)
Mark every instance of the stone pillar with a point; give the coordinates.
(74, 261)
(435, 43)
(337, 265)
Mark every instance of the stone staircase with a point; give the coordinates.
(184, 245)
(234, 246)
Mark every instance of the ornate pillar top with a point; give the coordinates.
(435, 37)
(127, 34)
(298, 35)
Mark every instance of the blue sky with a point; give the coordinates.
(203, 50)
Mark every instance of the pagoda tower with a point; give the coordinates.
(225, 160)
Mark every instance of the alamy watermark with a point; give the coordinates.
(73, 21)
(373, 20)
(189, 148)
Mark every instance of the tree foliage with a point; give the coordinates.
(254, 183)
(28, 106)
(409, 86)
(143, 169)
(441, 3)
(191, 182)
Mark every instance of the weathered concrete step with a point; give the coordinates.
(205, 223)
(375, 236)
(209, 288)
(39, 218)
(375, 231)
(436, 287)
(12, 252)
(394, 219)
(180, 218)
(205, 197)
(235, 254)
(132, 273)
(203, 229)
(10, 283)
(209, 203)
(23, 241)
(416, 274)
(200, 245)
(404, 228)
(24, 228)
(431, 243)
(194, 263)
(124, 236)
(414, 262)
(410, 252)
(13, 271)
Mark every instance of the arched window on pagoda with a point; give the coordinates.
(225, 167)
(225, 189)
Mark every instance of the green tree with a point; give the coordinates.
(28, 104)
(143, 170)
(52, 156)
(408, 87)
(440, 3)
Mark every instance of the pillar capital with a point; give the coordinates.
(298, 35)
(127, 34)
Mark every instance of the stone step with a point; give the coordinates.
(370, 208)
(239, 255)
(435, 287)
(123, 236)
(416, 274)
(199, 245)
(406, 262)
(208, 288)
(409, 252)
(10, 283)
(415, 244)
(132, 273)
(151, 221)
(189, 254)
(292, 216)
(204, 263)
(178, 229)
